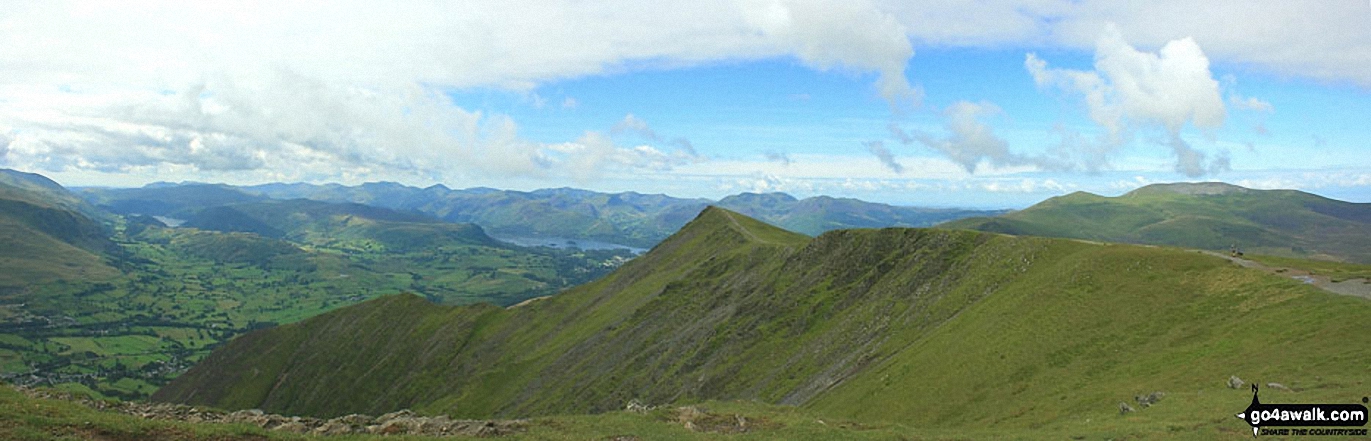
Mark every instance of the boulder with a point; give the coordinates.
(1148, 400)
(1124, 408)
(334, 427)
(395, 415)
(1234, 382)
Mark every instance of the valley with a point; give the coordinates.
(224, 299)
(942, 331)
(150, 300)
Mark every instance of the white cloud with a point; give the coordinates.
(1131, 89)
(336, 89)
(842, 34)
(1250, 103)
(971, 141)
(302, 88)
(1326, 40)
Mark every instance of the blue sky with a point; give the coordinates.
(912, 104)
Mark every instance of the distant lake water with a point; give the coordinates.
(564, 243)
(170, 221)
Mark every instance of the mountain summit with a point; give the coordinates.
(934, 328)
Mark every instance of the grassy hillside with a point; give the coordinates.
(943, 330)
(117, 310)
(1210, 216)
(46, 236)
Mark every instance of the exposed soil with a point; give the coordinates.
(1350, 287)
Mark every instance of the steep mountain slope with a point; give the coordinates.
(935, 327)
(1212, 216)
(628, 218)
(40, 190)
(45, 234)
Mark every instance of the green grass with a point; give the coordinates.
(25, 418)
(941, 333)
(1273, 222)
(1338, 271)
(178, 293)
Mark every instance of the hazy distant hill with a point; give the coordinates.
(325, 223)
(929, 328)
(1213, 216)
(170, 200)
(627, 218)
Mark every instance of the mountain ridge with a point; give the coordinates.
(1210, 216)
(876, 325)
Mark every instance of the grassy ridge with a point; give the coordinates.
(953, 330)
(1207, 216)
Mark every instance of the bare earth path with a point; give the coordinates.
(1350, 287)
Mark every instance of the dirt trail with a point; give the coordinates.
(745, 231)
(1350, 287)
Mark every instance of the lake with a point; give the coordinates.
(564, 243)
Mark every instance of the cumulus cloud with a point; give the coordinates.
(843, 34)
(888, 159)
(1330, 41)
(343, 88)
(1131, 89)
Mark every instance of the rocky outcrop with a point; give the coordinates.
(403, 422)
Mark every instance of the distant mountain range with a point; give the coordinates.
(1211, 216)
(958, 330)
(629, 218)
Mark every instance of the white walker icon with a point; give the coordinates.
(1260, 415)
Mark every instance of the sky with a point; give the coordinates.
(979, 104)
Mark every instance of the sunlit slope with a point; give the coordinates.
(953, 329)
(1211, 216)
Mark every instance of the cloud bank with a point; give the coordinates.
(320, 90)
(311, 91)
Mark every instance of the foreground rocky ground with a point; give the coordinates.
(402, 422)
